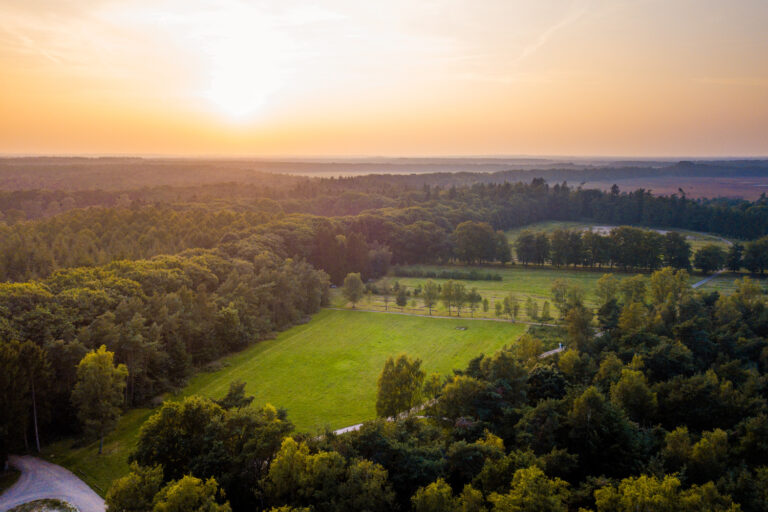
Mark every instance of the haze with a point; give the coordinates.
(461, 77)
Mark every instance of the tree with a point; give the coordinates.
(633, 289)
(532, 490)
(399, 386)
(530, 312)
(401, 297)
(353, 288)
(325, 481)
(135, 491)
(525, 246)
(430, 295)
(436, 497)
(578, 322)
(485, 304)
(676, 251)
(560, 296)
(474, 299)
(190, 494)
(448, 295)
(651, 493)
(607, 288)
(545, 314)
(36, 370)
(385, 290)
(709, 258)
(460, 296)
(734, 258)
(98, 392)
(476, 242)
(633, 394)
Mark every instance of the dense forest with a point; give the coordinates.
(662, 390)
(415, 225)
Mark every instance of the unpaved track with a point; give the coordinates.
(40, 479)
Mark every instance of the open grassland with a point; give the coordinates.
(697, 240)
(323, 372)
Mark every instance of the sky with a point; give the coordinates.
(635, 78)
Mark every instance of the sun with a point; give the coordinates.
(243, 56)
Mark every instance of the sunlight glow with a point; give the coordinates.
(243, 63)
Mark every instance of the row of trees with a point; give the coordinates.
(624, 247)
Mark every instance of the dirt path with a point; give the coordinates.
(707, 279)
(444, 317)
(40, 479)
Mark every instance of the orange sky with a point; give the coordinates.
(402, 77)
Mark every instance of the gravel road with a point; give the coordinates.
(40, 479)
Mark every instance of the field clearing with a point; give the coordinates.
(323, 372)
(696, 239)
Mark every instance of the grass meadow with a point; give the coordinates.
(323, 372)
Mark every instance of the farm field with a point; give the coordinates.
(323, 372)
(697, 240)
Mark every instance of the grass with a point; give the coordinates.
(7, 479)
(323, 372)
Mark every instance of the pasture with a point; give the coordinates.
(323, 372)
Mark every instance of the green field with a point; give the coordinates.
(696, 239)
(521, 282)
(323, 372)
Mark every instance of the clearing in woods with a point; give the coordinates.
(323, 372)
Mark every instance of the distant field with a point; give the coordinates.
(749, 187)
(323, 372)
(696, 239)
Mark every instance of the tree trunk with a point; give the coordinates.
(34, 417)
(101, 442)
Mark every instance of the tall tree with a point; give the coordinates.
(430, 295)
(353, 288)
(399, 386)
(98, 392)
(709, 258)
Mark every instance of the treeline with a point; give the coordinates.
(161, 318)
(428, 225)
(665, 409)
(464, 275)
(625, 247)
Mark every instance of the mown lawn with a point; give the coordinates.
(323, 372)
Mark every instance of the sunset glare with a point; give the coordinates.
(449, 77)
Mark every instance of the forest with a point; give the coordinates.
(110, 299)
